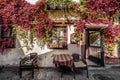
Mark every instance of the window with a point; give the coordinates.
(59, 37)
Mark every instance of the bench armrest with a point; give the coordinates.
(22, 60)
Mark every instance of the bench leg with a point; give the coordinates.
(61, 76)
(20, 73)
(87, 72)
(74, 73)
(32, 73)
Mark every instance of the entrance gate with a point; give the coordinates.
(94, 45)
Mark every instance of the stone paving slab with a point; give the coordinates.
(12, 73)
(48, 71)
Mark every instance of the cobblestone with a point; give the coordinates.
(12, 73)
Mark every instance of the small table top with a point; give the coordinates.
(64, 60)
(63, 57)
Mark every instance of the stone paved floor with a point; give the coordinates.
(46, 60)
(112, 60)
(12, 73)
(48, 71)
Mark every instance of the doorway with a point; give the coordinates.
(94, 46)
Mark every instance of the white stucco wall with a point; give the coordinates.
(36, 48)
(116, 50)
(70, 31)
(44, 49)
(73, 48)
(11, 56)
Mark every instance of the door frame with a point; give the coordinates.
(87, 45)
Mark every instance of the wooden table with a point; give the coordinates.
(63, 60)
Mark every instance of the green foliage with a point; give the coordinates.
(118, 39)
(109, 48)
(82, 9)
(115, 17)
(78, 37)
(117, 14)
(59, 3)
(82, 5)
(22, 35)
(29, 38)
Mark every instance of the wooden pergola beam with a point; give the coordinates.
(93, 26)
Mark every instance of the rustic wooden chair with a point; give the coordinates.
(80, 63)
(29, 63)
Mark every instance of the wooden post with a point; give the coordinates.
(102, 48)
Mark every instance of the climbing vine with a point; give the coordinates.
(28, 17)
(100, 11)
(34, 19)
